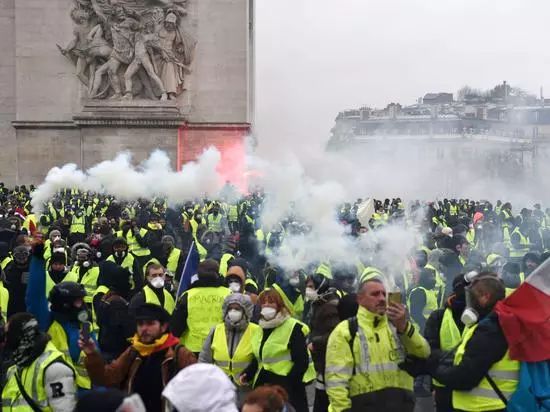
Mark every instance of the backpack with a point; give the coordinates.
(533, 391)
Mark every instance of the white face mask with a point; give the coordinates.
(235, 287)
(234, 315)
(294, 281)
(311, 294)
(157, 282)
(268, 313)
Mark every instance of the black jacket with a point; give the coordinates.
(487, 346)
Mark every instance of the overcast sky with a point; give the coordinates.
(317, 57)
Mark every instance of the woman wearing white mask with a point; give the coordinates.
(229, 344)
(280, 351)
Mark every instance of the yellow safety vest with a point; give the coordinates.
(234, 365)
(78, 224)
(4, 301)
(60, 340)
(325, 270)
(275, 356)
(32, 380)
(233, 213)
(449, 335)
(71, 276)
(5, 262)
(151, 297)
(295, 309)
(505, 374)
(133, 244)
(89, 280)
(224, 262)
(522, 249)
(173, 260)
(431, 301)
(439, 285)
(204, 308)
(215, 222)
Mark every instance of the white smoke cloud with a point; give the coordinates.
(120, 178)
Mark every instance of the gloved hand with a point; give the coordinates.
(414, 366)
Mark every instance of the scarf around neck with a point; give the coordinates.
(273, 323)
(165, 341)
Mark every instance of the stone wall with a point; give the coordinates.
(42, 101)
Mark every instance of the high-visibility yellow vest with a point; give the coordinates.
(32, 380)
(449, 335)
(453, 210)
(69, 277)
(439, 285)
(234, 365)
(215, 222)
(523, 247)
(325, 270)
(78, 224)
(431, 301)
(224, 261)
(506, 237)
(275, 356)
(204, 308)
(133, 244)
(173, 260)
(151, 297)
(505, 374)
(5, 262)
(295, 309)
(89, 280)
(27, 223)
(491, 258)
(60, 340)
(370, 273)
(233, 213)
(4, 301)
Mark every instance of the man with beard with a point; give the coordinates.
(480, 379)
(39, 379)
(145, 368)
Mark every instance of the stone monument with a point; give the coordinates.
(81, 80)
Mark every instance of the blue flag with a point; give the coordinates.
(189, 270)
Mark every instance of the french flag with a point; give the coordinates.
(525, 317)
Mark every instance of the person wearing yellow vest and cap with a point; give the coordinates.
(127, 260)
(229, 343)
(280, 351)
(364, 352)
(199, 308)
(479, 371)
(443, 331)
(172, 258)
(40, 379)
(154, 291)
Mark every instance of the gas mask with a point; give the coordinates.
(121, 253)
(311, 294)
(294, 281)
(470, 316)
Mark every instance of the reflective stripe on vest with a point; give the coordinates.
(60, 340)
(204, 308)
(151, 297)
(505, 374)
(242, 354)
(275, 356)
(32, 380)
